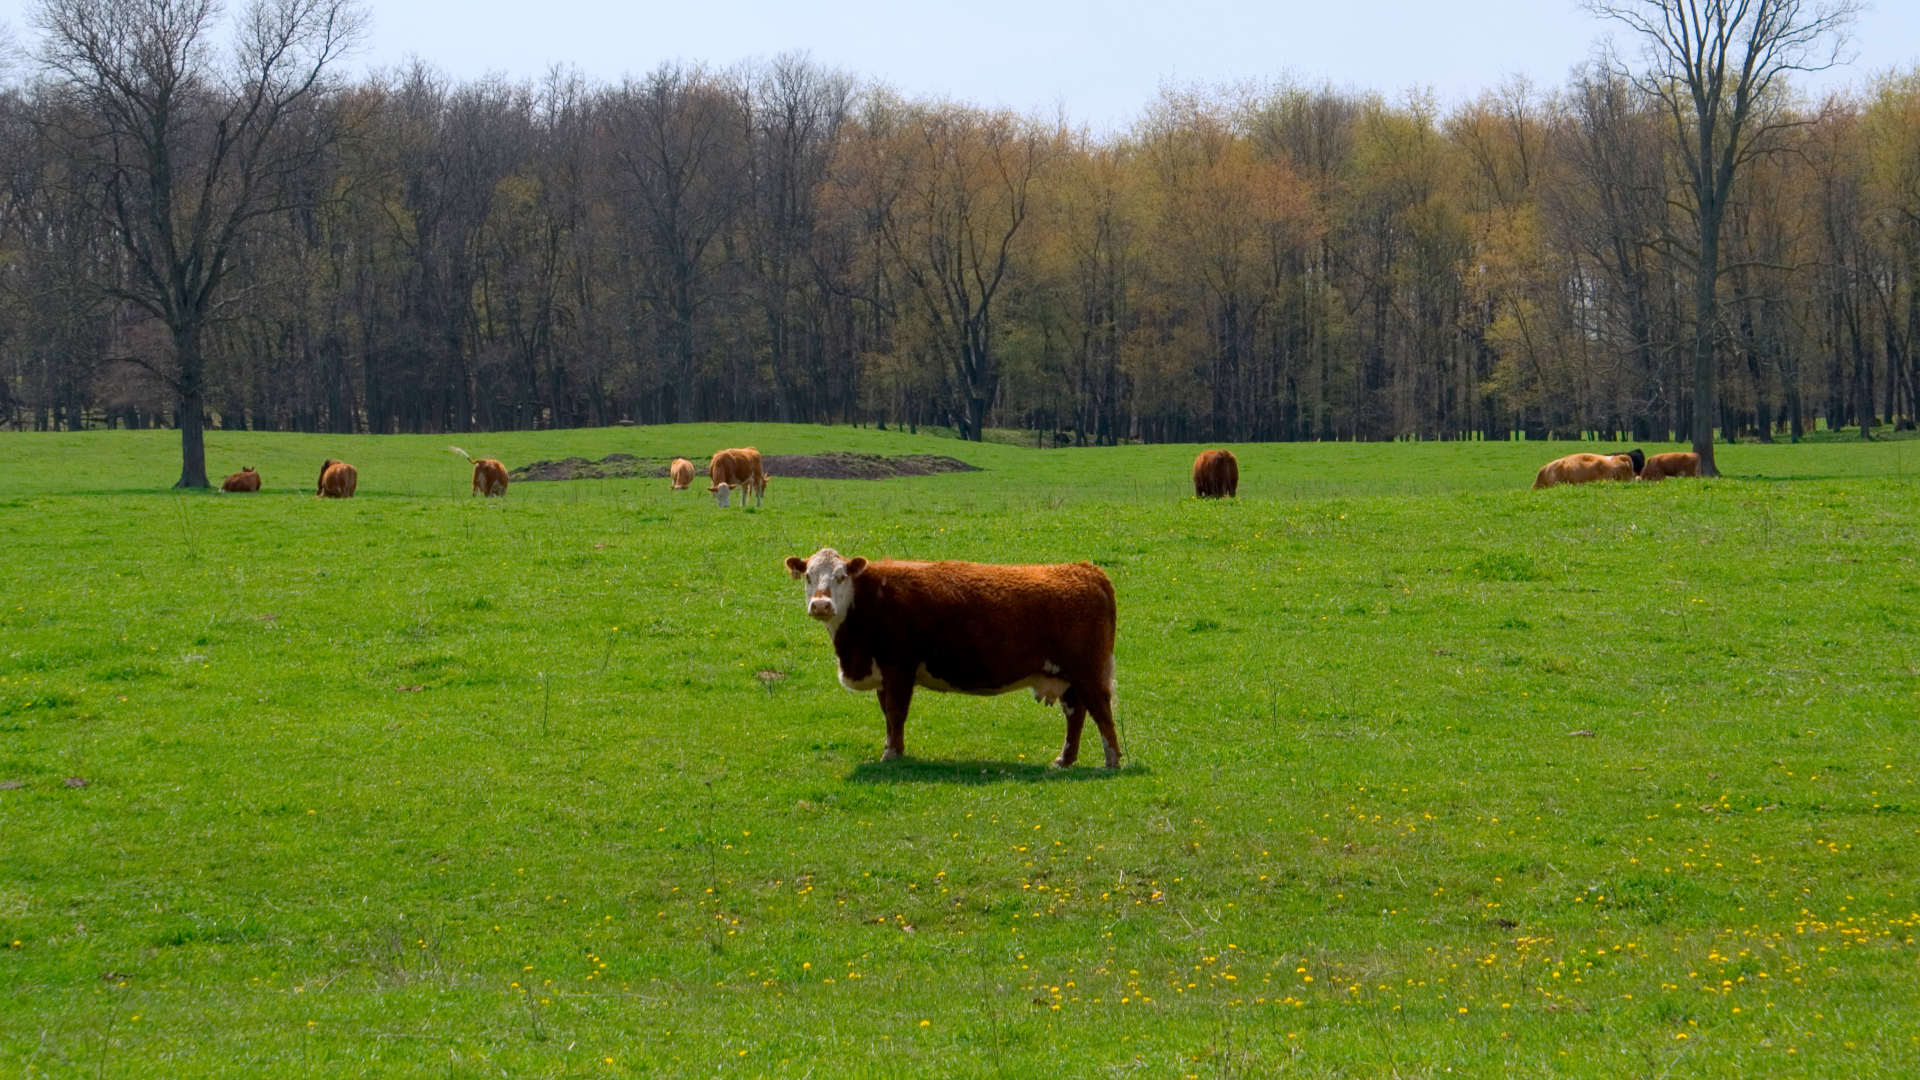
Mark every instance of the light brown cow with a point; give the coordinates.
(244, 480)
(682, 473)
(337, 480)
(1672, 463)
(737, 469)
(1587, 468)
(970, 628)
(1216, 475)
(489, 476)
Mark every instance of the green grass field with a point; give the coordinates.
(1426, 772)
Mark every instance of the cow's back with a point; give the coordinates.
(979, 627)
(1216, 474)
(738, 467)
(1672, 463)
(339, 481)
(1584, 469)
(489, 477)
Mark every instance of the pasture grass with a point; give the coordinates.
(1425, 771)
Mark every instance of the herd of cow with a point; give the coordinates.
(1216, 473)
(976, 628)
(730, 470)
(1587, 468)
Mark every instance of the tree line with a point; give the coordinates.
(261, 244)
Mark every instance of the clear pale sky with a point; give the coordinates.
(1099, 62)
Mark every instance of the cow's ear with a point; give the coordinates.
(796, 566)
(856, 566)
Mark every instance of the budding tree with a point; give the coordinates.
(186, 150)
(1717, 67)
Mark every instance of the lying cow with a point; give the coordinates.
(489, 476)
(1673, 463)
(682, 473)
(1216, 475)
(971, 628)
(337, 480)
(738, 469)
(244, 480)
(1587, 468)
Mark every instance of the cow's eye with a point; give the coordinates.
(839, 576)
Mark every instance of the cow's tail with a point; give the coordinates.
(461, 452)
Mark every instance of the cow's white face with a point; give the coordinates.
(829, 581)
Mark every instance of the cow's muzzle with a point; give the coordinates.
(820, 607)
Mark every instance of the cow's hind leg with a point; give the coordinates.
(896, 693)
(1100, 703)
(1076, 719)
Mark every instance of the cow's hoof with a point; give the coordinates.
(1113, 761)
(891, 754)
(1063, 762)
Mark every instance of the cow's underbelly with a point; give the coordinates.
(868, 681)
(1046, 687)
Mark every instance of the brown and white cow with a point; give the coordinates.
(970, 628)
(1672, 463)
(337, 480)
(1216, 475)
(1587, 468)
(682, 473)
(737, 469)
(489, 476)
(244, 480)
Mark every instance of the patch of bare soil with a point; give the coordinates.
(611, 467)
(834, 465)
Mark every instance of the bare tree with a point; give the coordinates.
(959, 183)
(1716, 66)
(189, 151)
(677, 149)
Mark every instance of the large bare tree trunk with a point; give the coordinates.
(1705, 369)
(193, 408)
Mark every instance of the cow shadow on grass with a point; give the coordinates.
(910, 770)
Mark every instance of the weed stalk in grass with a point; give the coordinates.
(186, 528)
(606, 655)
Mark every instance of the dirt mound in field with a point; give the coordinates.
(845, 465)
(834, 465)
(610, 467)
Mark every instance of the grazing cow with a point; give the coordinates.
(489, 476)
(682, 473)
(337, 480)
(1216, 475)
(971, 628)
(1673, 463)
(244, 480)
(738, 469)
(1586, 468)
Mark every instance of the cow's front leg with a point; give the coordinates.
(896, 693)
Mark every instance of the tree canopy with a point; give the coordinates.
(780, 241)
